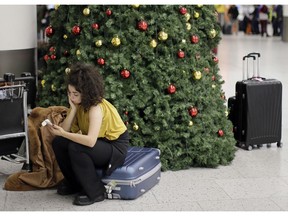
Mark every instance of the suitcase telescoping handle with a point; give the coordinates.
(256, 75)
(257, 57)
(247, 69)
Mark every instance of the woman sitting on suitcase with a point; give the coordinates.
(102, 143)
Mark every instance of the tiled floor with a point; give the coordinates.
(256, 180)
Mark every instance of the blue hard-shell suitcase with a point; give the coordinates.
(140, 172)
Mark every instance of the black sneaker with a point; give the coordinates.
(82, 199)
(65, 189)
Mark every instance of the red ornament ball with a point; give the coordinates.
(125, 74)
(181, 54)
(95, 26)
(142, 25)
(66, 53)
(52, 49)
(100, 61)
(53, 57)
(183, 10)
(193, 111)
(220, 133)
(215, 59)
(108, 12)
(49, 31)
(46, 57)
(194, 39)
(171, 89)
(76, 30)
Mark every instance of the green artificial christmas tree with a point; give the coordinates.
(159, 70)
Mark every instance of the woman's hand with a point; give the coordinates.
(56, 130)
(72, 105)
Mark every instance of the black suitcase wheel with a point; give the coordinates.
(279, 144)
(249, 148)
(260, 145)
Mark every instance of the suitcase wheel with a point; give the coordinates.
(279, 144)
(249, 148)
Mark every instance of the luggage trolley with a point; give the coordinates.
(14, 119)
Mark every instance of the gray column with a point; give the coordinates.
(18, 42)
(285, 23)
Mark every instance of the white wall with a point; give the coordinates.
(285, 10)
(18, 27)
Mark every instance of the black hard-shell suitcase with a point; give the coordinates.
(256, 110)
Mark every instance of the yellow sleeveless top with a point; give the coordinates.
(112, 124)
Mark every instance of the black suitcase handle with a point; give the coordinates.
(258, 56)
(254, 53)
(247, 69)
(256, 76)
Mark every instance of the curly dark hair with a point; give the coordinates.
(86, 79)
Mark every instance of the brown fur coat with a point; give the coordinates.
(45, 171)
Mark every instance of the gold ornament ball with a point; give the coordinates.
(135, 6)
(190, 123)
(196, 14)
(188, 26)
(53, 87)
(56, 6)
(78, 52)
(135, 127)
(116, 41)
(226, 113)
(213, 86)
(65, 36)
(162, 36)
(86, 11)
(153, 43)
(199, 6)
(187, 17)
(67, 70)
(183, 41)
(43, 83)
(197, 75)
(212, 33)
(98, 43)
